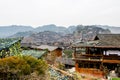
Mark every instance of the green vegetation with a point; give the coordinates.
(9, 47)
(77, 76)
(61, 66)
(7, 42)
(115, 78)
(68, 52)
(22, 66)
(15, 49)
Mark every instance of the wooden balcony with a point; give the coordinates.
(76, 55)
(97, 58)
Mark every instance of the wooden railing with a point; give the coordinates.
(111, 57)
(88, 57)
(97, 57)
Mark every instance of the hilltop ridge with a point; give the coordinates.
(20, 30)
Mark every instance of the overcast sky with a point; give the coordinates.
(60, 12)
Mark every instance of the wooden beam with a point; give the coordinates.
(111, 61)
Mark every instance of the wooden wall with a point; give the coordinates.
(52, 55)
(90, 71)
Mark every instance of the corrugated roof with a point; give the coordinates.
(7, 42)
(34, 53)
(50, 48)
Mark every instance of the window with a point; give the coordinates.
(81, 50)
(88, 65)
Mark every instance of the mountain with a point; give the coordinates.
(22, 34)
(51, 27)
(18, 30)
(88, 32)
(70, 29)
(113, 29)
(6, 31)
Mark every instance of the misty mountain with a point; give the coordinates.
(113, 29)
(51, 27)
(18, 31)
(70, 29)
(88, 32)
(6, 31)
(91, 29)
(22, 34)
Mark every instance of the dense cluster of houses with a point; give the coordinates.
(97, 57)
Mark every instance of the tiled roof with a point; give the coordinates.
(102, 40)
(108, 39)
(50, 48)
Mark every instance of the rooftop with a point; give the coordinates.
(34, 53)
(50, 48)
(102, 40)
(108, 39)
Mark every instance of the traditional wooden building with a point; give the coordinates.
(53, 52)
(98, 57)
(51, 49)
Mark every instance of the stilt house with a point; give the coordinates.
(98, 57)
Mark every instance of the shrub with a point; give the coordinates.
(68, 52)
(24, 65)
(115, 78)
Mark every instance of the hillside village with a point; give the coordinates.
(60, 56)
(64, 40)
(59, 39)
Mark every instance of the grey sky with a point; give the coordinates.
(59, 12)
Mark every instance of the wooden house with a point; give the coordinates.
(53, 52)
(51, 49)
(98, 57)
